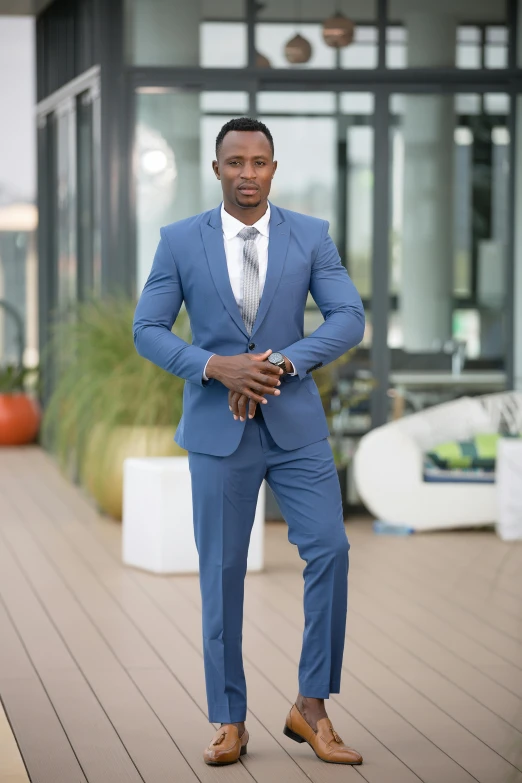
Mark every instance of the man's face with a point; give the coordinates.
(245, 166)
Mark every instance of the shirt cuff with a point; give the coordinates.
(205, 379)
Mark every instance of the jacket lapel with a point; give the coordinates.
(212, 235)
(279, 237)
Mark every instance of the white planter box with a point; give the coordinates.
(158, 533)
(509, 489)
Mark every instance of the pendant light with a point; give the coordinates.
(298, 49)
(338, 31)
(262, 61)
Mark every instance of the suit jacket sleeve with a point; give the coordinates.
(157, 309)
(341, 307)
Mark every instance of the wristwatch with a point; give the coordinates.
(278, 359)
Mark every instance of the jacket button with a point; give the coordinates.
(251, 346)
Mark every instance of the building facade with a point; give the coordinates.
(408, 139)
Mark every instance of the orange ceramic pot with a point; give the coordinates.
(19, 419)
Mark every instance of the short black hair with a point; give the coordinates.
(243, 124)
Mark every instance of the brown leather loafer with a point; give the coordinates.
(227, 746)
(326, 743)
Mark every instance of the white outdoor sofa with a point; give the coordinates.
(388, 465)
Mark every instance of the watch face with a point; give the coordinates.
(276, 358)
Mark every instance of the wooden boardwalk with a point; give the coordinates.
(101, 674)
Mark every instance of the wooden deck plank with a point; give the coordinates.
(152, 750)
(315, 767)
(403, 773)
(96, 745)
(366, 642)
(460, 672)
(12, 767)
(449, 592)
(439, 728)
(105, 614)
(436, 619)
(416, 598)
(398, 605)
(419, 753)
(431, 688)
(44, 745)
(262, 654)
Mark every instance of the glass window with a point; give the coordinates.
(306, 176)
(449, 232)
(463, 34)
(359, 212)
(357, 103)
(518, 53)
(517, 331)
(88, 159)
(223, 45)
(296, 102)
(219, 102)
(177, 33)
(66, 226)
(280, 21)
(271, 39)
(173, 154)
(396, 47)
(362, 53)
(496, 47)
(325, 164)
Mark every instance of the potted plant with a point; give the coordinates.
(19, 413)
(108, 403)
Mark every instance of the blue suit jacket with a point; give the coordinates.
(190, 266)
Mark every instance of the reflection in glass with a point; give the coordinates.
(177, 33)
(274, 30)
(219, 102)
(173, 154)
(88, 147)
(462, 34)
(223, 45)
(306, 176)
(296, 102)
(449, 226)
(362, 53)
(359, 220)
(65, 124)
(271, 40)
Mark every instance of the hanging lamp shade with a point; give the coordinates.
(298, 50)
(338, 31)
(262, 61)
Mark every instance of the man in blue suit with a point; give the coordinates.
(252, 411)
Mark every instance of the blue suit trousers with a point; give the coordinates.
(225, 491)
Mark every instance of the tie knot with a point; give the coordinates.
(248, 233)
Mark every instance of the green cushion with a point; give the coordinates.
(479, 452)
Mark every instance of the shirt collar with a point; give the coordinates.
(232, 226)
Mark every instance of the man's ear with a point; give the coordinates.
(275, 168)
(215, 168)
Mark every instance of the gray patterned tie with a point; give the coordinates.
(250, 277)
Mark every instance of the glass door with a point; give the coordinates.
(448, 245)
(88, 200)
(66, 228)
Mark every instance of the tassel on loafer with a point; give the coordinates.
(325, 742)
(226, 747)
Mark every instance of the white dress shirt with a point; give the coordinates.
(234, 254)
(234, 250)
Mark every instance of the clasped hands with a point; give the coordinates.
(248, 377)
